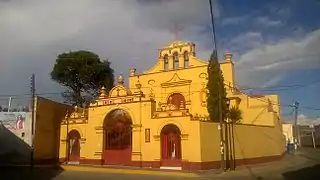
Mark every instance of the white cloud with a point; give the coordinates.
(246, 41)
(233, 20)
(256, 20)
(34, 32)
(269, 61)
(280, 11)
(267, 21)
(303, 120)
(273, 82)
(129, 33)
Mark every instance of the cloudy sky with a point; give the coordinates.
(275, 43)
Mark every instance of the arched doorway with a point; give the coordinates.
(177, 100)
(74, 146)
(170, 146)
(117, 138)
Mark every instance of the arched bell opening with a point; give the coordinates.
(117, 138)
(177, 100)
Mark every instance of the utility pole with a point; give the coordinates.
(222, 143)
(9, 105)
(296, 128)
(33, 96)
(312, 135)
(67, 138)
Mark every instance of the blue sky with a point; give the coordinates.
(274, 43)
(273, 21)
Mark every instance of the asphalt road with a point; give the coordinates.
(304, 165)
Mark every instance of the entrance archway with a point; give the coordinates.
(170, 146)
(74, 146)
(117, 138)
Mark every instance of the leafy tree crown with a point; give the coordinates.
(82, 73)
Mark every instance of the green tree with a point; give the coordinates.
(215, 85)
(235, 114)
(83, 74)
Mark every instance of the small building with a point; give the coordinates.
(160, 120)
(288, 132)
(308, 135)
(17, 139)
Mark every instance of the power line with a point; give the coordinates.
(282, 88)
(29, 94)
(289, 114)
(273, 103)
(222, 143)
(270, 88)
(162, 95)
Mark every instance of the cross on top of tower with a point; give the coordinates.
(175, 35)
(176, 31)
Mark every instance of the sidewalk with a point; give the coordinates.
(288, 163)
(128, 170)
(241, 170)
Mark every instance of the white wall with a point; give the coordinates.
(288, 132)
(15, 149)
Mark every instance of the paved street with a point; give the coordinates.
(304, 165)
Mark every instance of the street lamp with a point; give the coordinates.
(228, 103)
(227, 110)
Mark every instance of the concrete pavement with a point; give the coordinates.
(132, 171)
(302, 165)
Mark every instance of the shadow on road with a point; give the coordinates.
(310, 173)
(43, 173)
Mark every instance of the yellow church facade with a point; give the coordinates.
(160, 120)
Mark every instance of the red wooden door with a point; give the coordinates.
(117, 149)
(74, 150)
(117, 156)
(171, 150)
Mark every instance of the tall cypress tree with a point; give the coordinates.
(215, 85)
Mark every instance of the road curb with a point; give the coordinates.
(127, 171)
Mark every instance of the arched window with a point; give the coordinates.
(175, 60)
(166, 62)
(186, 59)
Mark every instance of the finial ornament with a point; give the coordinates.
(120, 79)
(228, 57)
(132, 71)
(103, 92)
